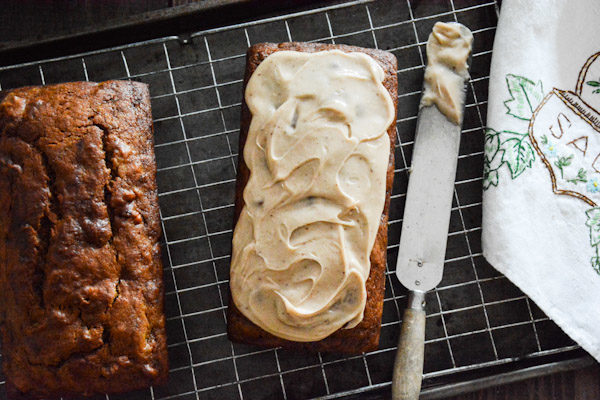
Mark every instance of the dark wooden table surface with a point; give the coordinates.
(583, 384)
(26, 20)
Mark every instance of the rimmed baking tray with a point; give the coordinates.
(481, 330)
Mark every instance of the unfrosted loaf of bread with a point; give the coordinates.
(364, 336)
(80, 273)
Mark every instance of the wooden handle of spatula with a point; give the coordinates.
(408, 367)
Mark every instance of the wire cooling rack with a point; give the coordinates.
(476, 319)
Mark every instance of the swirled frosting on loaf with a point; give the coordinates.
(317, 150)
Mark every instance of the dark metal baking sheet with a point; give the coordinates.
(480, 327)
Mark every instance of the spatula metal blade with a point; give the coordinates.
(428, 201)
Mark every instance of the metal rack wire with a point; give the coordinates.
(475, 318)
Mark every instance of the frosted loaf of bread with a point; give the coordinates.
(317, 150)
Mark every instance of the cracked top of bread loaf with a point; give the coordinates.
(81, 303)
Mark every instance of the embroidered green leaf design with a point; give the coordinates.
(563, 162)
(493, 151)
(518, 153)
(525, 96)
(492, 159)
(490, 178)
(491, 144)
(568, 160)
(581, 177)
(593, 222)
(544, 139)
(594, 84)
(596, 264)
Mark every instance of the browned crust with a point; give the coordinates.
(365, 336)
(81, 305)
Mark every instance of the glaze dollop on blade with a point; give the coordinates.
(448, 50)
(318, 150)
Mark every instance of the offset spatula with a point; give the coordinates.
(427, 214)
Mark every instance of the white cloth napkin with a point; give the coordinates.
(541, 201)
